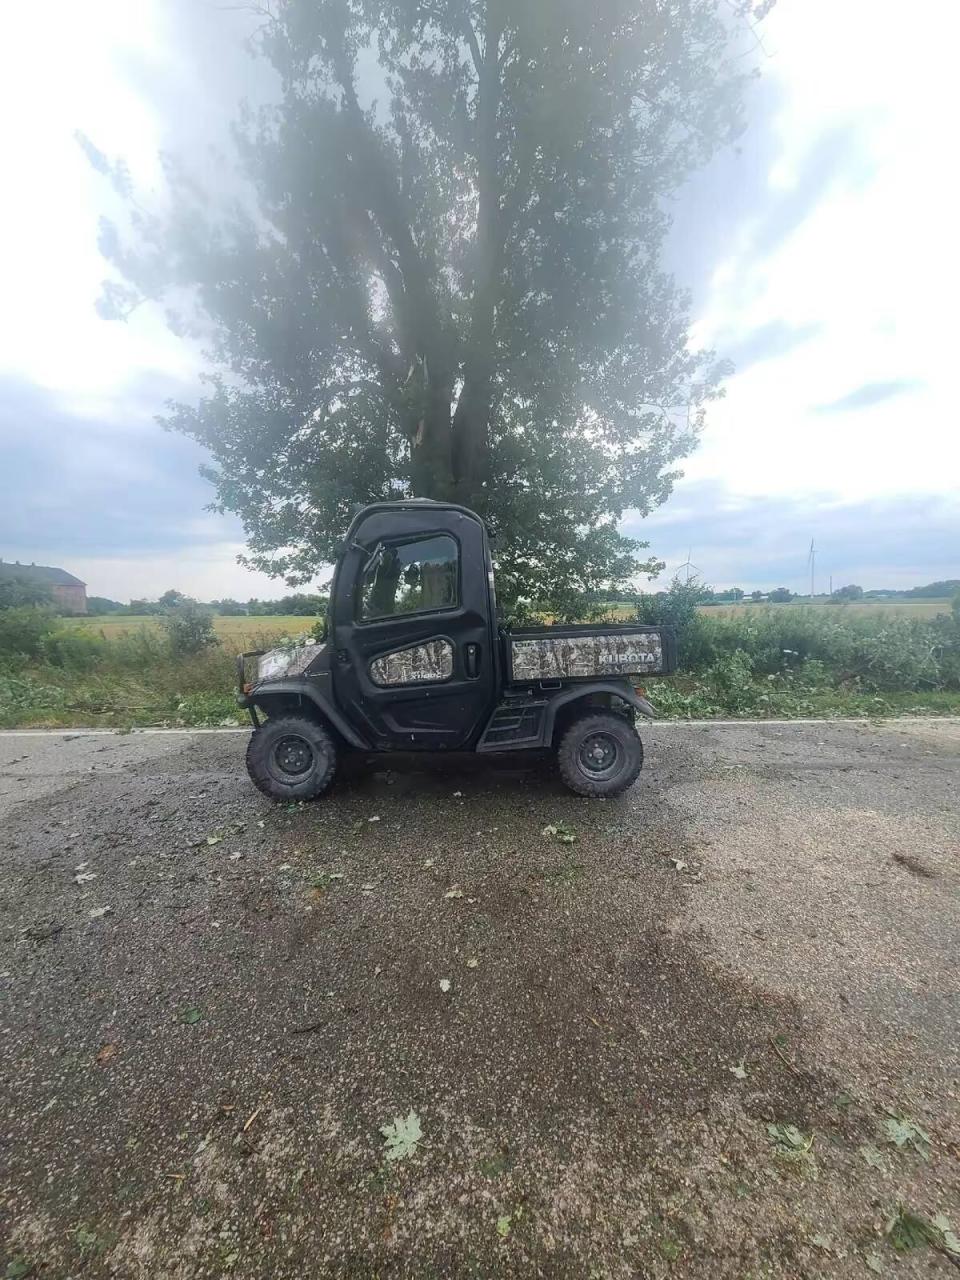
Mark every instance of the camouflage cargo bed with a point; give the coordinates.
(586, 652)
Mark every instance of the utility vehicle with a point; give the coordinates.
(414, 660)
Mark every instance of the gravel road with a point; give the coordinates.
(211, 1006)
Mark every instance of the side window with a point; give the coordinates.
(410, 577)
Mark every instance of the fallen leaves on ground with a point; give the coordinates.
(191, 1016)
(454, 892)
(560, 832)
(793, 1145)
(402, 1136)
(444, 985)
(907, 1230)
(105, 1053)
(902, 1132)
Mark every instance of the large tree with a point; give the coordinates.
(449, 282)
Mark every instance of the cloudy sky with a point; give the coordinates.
(821, 255)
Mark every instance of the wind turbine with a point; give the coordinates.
(811, 564)
(688, 565)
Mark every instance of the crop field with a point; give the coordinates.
(236, 633)
(252, 633)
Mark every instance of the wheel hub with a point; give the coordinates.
(598, 753)
(293, 755)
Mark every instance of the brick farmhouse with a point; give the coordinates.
(69, 593)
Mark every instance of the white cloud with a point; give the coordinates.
(59, 73)
(873, 265)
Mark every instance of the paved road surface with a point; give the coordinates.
(211, 1005)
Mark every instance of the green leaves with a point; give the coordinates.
(560, 832)
(902, 1132)
(795, 1146)
(948, 1237)
(191, 1016)
(402, 1136)
(907, 1230)
(871, 1155)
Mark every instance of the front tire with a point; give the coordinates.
(292, 758)
(600, 755)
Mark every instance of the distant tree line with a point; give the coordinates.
(299, 604)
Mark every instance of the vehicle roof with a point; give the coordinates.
(406, 504)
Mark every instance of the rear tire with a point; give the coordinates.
(600, 755)
(292, 758)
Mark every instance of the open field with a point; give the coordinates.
(216, 1004)
(237, 633)
(241, 632)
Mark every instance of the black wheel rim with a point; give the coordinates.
(292, 756)
(599, 755)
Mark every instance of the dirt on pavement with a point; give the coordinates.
(212, 1005)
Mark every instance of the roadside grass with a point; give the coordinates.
(777, 662)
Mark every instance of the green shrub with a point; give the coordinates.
(871, 651)
(76, 650)
(189, 629)
(24, 629)
(678, 607)
(141, 649)
(23, 697)
(730, 679)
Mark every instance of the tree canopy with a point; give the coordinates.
(448, 282)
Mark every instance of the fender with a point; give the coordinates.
(584, 690)
(307, 689)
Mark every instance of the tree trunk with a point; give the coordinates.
(431, 473)
(471, 423)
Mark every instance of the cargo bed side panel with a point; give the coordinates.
(571, 653)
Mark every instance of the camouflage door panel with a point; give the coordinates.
(432, 660)
(564, 657)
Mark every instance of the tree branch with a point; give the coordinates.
(383, 206)
(474, 44)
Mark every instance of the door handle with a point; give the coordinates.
(471, 660)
